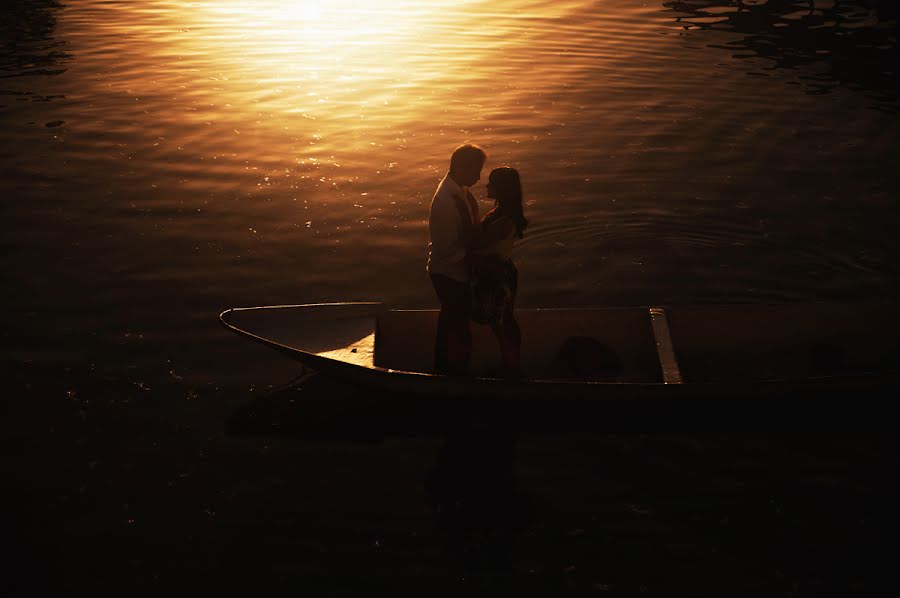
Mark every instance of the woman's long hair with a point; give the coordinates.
(506, 183)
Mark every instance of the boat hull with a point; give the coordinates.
(346, 340)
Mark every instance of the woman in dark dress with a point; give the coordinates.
(495, 278)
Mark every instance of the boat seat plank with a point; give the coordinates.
(667, 360)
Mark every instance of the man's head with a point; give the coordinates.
(466, 164)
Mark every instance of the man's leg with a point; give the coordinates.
(453, 340)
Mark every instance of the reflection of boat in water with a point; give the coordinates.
(712, 352)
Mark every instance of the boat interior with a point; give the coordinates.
(784, 341)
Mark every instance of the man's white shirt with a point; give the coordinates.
(446, 246)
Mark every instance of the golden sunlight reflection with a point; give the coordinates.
(312, 35)
(316, 100)
(348, 74)
(333, 24)
(340, 58)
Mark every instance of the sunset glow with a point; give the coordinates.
(304, 54)
(343, 25)
(350, 60)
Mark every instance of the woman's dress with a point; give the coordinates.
(494, 280)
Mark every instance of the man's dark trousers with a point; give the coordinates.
(453, 341)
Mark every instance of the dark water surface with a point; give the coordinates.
(161, 161)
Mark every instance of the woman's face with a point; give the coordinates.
(491, 190)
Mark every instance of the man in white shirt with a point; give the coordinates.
(453, 217)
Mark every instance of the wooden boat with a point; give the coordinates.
(692, 352)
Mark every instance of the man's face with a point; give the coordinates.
(470, 173)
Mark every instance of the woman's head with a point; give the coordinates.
(505, 186)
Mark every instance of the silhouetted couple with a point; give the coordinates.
(469, 261)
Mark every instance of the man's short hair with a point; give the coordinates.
(467, 154)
